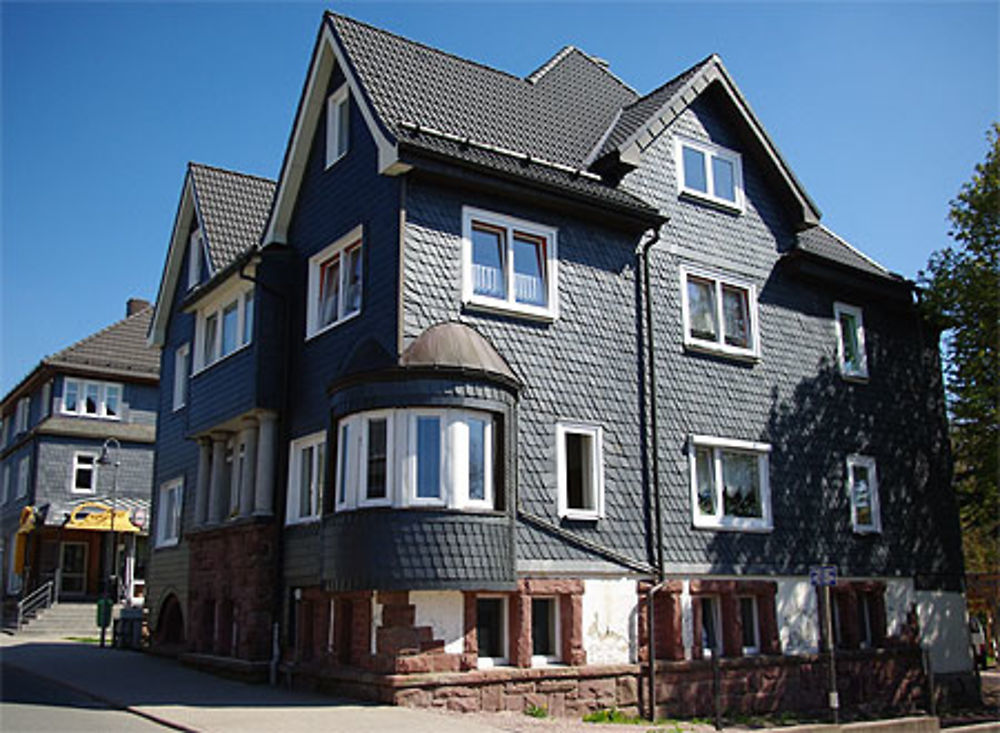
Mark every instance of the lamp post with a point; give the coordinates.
(105, 460)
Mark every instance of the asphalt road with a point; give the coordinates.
(32, 704)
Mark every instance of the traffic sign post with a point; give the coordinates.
(825, 577)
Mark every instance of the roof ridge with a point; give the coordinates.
(535, 76)
(220, 169)
(547, 66)
(673, 80)
(94, 335)
(855, 250)
(422, 45)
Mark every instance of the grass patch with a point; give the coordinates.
(83, 639)
(536, 711)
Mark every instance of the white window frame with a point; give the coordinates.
(182, 366)
(23, 468)
(76, 465)
(846, 370)
(716, 600)
(719, 520)
(401, 462)
(196, 254)
(596, 434)
(234, 292)
(542, 660)
(22, 415)
(720, 346)
(316, 262)
(491, 662)
(294, 514)
(710, 150)
(755, 648)
(333, 102)
(81, 398)
(509, 304)
(162, 538)
(869, 463)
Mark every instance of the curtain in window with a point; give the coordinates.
(735, 312)
(701, 309)
(741, 484)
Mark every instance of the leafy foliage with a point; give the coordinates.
(962, 298)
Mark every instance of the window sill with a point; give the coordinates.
(751, 526)
(725, 205)
(504, 307)
(82, 492)
(299, 521)
(865, 531)
(854, 377)
(110, 418)
(164, 544)
(314, 333)
(580, 515)
(231, 354)
(749, 356)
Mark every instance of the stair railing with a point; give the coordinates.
(42, 597)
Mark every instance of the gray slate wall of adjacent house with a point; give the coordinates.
(55, 468)
(582, 367)
(793, 398)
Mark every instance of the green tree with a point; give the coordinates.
(962, 298)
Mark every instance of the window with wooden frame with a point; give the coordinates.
(580, 470)
(335, 284)
(709, 172)
(730, 484)
(306, 471)
(83, 478)
(91, 399)
(851, 351)
(719, 314)
(508, 264)
(168, 512)
(862, 487)
(221, 324)
(338, 124)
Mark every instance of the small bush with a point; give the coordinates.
(536, 711)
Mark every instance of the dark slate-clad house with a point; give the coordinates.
(57, 493)
(500, 364)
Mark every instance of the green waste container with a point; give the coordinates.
(104, 612)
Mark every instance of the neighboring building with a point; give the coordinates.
(56, 492)
(408, 423)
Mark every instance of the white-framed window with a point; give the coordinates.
(83, 479)
(23, 468)
(544, 630)
(21, 416)
(491, 630)
(719, 314)
(196, 252)
(182, 367)
(750, 624)
(6, 483)
(509, 264)
(730, 484)
(580, 470)
(338, 124)
(711, 626)
(168, 512)
(45, 409)
(335, 283)
(851, 354)
(709, 172)
(221, 325)
(92, 399)
(414, 457)
(306, 470)
(862, 486)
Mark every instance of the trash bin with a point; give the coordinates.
(104, 606)
(128, 628)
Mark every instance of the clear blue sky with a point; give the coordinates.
(881, 109)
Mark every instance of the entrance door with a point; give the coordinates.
(74, 568)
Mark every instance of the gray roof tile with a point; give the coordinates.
(822, 242)
(121, 347)
(234, 208)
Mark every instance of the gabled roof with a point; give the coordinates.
(823, 243)
(640, 124)
(231, 208)
(119, 351)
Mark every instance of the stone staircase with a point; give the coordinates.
(62, 620)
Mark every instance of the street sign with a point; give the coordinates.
(823, 575)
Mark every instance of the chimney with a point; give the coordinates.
(134, 305)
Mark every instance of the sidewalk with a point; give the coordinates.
(167, 692)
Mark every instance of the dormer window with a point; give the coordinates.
(91, 399)
(338, 117)
(195, 247)
(709, 172)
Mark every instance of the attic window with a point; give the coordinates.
(709, 172)
(338, 114)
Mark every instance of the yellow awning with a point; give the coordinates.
(96, 516)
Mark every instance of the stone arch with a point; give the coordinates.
(170, 627)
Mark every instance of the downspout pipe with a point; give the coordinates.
(654, 446)
(279, 541)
